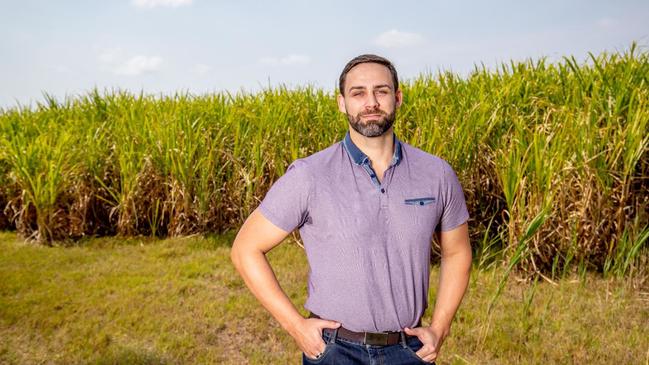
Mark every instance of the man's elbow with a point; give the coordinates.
(243, 252)
(235, 255)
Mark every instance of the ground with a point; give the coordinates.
(180, 301)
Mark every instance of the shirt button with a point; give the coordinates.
(382, 190)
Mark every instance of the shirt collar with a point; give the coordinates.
(359, 157)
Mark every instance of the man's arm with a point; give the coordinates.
(256, 237)
(453, 281)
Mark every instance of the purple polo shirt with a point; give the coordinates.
(367, 242)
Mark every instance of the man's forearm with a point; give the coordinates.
(262, 282)
(454, 278)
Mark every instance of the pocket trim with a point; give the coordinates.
(419, 201)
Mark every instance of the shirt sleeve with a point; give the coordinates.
(455, 211)
(286, 203)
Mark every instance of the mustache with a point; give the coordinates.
(375, 111)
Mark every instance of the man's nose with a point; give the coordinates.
(371, 101)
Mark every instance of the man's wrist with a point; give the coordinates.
(440, 329)
(291, 325)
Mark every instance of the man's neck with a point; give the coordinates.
(378, 149)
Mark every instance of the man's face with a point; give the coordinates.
(370, 100)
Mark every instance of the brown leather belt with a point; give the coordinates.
(367, 338)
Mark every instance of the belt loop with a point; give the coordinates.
(334, 335)
(403, 339)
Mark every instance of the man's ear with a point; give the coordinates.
(341, 104)
(398, 98)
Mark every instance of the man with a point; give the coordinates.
(367, 208)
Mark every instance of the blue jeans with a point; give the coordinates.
(344, 352)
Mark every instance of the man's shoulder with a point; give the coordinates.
(424, 160)
(317, 161)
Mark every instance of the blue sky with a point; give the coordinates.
(66, 48)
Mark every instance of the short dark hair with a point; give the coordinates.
(367, 58)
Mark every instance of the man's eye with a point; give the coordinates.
(383, 92)
(357, 94)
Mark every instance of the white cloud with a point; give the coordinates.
(138, 65)
(160, 3)
(118, 62)
(394, 38)
(295, 59)
(292, 59)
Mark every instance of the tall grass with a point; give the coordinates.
(565, 141)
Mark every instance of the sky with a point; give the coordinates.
(66, 48)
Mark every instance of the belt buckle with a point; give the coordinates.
(375, 338)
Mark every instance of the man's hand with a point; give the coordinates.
(308, 335)
(432, 339)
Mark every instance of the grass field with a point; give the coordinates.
(180, 301)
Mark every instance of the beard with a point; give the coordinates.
(372, 127)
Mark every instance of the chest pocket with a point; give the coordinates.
(417, 215)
